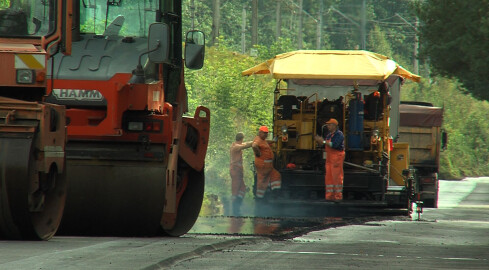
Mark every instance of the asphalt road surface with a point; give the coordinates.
(454, 236)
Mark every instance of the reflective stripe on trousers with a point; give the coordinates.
(265, 175)
(260, 193)
(334, 188)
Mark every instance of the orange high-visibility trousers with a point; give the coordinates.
(266, 174)
(238, 187)
(333, 179)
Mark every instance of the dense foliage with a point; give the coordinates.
(388, 25)
(455, 39)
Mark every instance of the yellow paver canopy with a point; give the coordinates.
(331, 64)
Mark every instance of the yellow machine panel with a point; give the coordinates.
(399, 162)
(306, 136)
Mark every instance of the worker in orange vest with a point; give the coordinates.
(266, 174)
(238, 187)
(334, 146)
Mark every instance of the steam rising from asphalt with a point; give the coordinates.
(284, 208)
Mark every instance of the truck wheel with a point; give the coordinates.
(431, 202)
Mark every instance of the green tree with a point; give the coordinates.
(4, 3)
(378, 42)
(455, 39)
(338, 32)
(282, 45)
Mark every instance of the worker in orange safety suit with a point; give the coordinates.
(238, 187)
(335, 156)
(266, 174)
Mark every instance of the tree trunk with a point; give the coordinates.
(320, 27)
(299, 26)
(216, 21)
(254, 23)
(243, 30)
(278, 31)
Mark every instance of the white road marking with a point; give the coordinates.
(344, 254)
(462, 259)
(380, 241)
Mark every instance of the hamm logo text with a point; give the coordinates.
(77, 94)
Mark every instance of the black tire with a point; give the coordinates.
(46, 223)
(431, 202)
(190, 203)
(27, 214)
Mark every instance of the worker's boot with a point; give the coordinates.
(276, 193)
